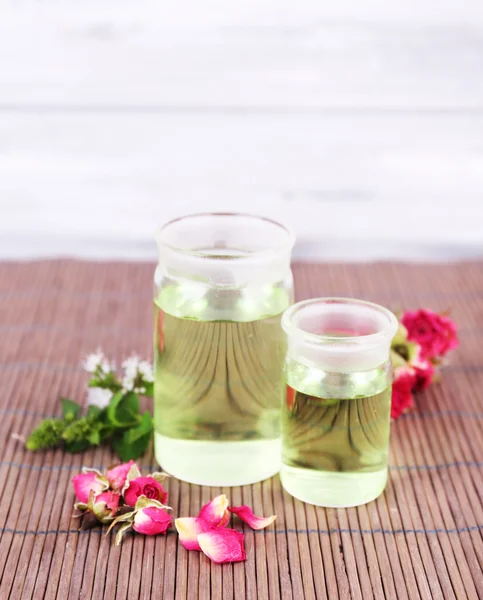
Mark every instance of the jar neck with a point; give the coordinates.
(352, 355)
(316, 381)
(187, 298)
(225, 249)
(241, 271)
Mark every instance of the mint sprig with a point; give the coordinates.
(119, 422)
(129, 437)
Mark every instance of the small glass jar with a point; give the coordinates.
(336, 414)
(221, 286)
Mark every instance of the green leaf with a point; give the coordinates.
(128, 451)
(93, 411)
(70, 409)
(123, 409)
(95, 382)
(149, 390)
(105, 431)
(77, 446)
(120, 534)
(397, 360)
(108, 381)
(401, 336)
(145, 426)
(94, 437)
(143, 502)
(128, 408)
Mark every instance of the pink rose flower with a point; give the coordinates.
(151, 520)
(403, 383)
(435, 333)
(104, 506)
(144, 486)
(117, 475)
(87, 481)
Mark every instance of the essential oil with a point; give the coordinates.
(218, 386)
(336, 435)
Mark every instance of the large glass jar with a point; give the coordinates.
(221, 286)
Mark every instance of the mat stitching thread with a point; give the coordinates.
(71, 369)
(264, 532)
(411, 415)
(154, 467)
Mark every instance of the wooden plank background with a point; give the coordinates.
(358, 123)
(421, 539)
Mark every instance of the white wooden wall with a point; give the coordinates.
(360, 123)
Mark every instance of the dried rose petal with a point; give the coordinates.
(246, 515)
(85, 482)
(117, 475)
(189, 528)
(216, 512)
(133, 473)
(223, 545)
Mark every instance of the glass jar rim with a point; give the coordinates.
(291, 329)
(287, 245)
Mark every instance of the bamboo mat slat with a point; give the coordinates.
(421, 539)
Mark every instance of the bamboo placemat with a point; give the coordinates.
(421, 539)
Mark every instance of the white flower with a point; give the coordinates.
(98, 397)
(107, 367)
(93, 361)
(140, 390)
(145, 368)
(127, 384)
(130, 366)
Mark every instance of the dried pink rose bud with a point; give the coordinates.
(423, 368)
(145, 486)
(151, 520)
(104, 506)
(404, 381)
(216, 512)
(223, 545)
(188, 529)
(148, 517)
(88, 480)
(246, 515)
(117, 475)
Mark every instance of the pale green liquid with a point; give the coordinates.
(335, 445)
(217, 393)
